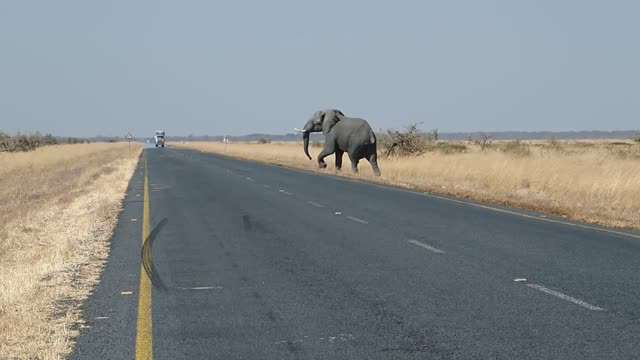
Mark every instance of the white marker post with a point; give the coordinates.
(129, 137)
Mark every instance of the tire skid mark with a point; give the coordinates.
(147, 257)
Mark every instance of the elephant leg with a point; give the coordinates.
(328, 150)
(354, 163)
(339, 159)
(373, 160)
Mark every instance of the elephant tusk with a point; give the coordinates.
(298, 130)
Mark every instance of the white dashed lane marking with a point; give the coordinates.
(285, 192)
(314, 204)
(203, 288)
(425, 246)
(353, 218)
(565, 297)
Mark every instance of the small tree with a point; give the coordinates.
(485, 138)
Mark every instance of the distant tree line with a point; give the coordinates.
(32, 141)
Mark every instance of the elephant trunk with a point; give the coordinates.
(305, 137)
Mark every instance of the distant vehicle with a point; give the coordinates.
(159, 138)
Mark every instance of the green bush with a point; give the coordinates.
(448, 147)
(517, 148)
(411, 142)
(49, 139)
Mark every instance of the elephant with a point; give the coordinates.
(353, 135)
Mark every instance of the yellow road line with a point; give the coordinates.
(144, 336)
(611, 231)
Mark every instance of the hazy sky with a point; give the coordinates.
(82, 68)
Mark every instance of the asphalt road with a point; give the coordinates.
(254, 261)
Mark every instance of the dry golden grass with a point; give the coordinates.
(59, 207)
(591, 181)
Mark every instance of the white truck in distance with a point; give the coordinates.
(159, 138)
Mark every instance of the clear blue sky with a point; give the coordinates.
(81, 68)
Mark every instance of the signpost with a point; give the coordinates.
(129, 137)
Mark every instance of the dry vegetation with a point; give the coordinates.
(59, 207)
(593, 181)
(30, 142)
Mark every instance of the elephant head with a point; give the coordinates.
(322, 120)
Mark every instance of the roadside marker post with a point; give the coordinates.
(129, 137)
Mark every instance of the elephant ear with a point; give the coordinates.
(330, 119)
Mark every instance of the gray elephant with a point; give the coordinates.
(342, 133)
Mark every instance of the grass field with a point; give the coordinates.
(593, 181)
(59, 207)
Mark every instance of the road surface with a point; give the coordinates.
(244, 260)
